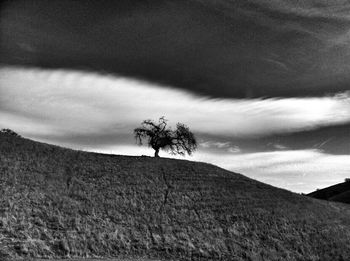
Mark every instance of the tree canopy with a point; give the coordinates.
(161, 136)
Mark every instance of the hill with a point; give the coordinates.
(59, 203)
(339, 192)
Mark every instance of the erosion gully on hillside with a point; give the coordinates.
(60, 203)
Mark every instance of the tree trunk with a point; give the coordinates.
(156, 153)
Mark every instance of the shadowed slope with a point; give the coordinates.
(339, 192)
(58, 202)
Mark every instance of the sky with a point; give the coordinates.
(262, 84)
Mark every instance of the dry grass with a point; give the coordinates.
(60, 203)
(93, 259)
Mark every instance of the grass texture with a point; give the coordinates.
(61, 203)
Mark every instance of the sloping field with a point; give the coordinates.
(60, 203)
(339, 192)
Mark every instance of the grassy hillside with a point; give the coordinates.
(57, 202)
(339, 192)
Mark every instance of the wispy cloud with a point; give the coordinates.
(223, 147)
(321, 144)
(63, 102)
(279, 146)
(215, 144)
(277, 63)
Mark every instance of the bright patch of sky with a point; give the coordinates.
(60, 102)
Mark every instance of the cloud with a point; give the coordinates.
(233, 149)
(221, 147)
(279, 146)
(336, 9)
(62, 103)
(215, 144)
(235, 49)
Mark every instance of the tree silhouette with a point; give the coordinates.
(160, 136)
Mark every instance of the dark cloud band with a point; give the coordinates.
(216, 48)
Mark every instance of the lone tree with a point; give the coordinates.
(160, 136)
